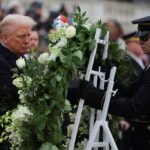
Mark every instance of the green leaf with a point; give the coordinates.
(81, 37)
(63, 59)
(79, 9)
(48, 146)
(42, 125)
(84, 14)
(54, 147)
(67, 106)
(53, 82)
(40, 136)
(47, 96)
(78, 54)
(58, 77)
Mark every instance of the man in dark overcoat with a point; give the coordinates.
(135, 105)
(14, 43)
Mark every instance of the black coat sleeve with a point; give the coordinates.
(8, 92)
(138, 105)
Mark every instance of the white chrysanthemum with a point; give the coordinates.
(43, 58)
(70, 32)
(20, 63)
(18, 82)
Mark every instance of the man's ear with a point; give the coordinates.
(4, 38)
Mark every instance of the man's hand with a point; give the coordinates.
(86, 90)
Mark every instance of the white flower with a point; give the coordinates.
(21, 113)
(66, 24)
(52, 56)
(62, 42)
(75, 24)
(58, 27)
(45, 69)
(43, 58)
(28, 80)
(19, 91)
(57, 50)
(87, 25)
(18, 82)
(21, 97)
(70, 32)
(20, 63)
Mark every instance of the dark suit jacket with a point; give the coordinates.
(8, 92)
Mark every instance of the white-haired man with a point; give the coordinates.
(14, 43)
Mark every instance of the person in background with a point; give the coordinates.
(36, 8)
(116, 32)
(14, 7)
(134, 47)
(135, 105)
(48, 25)
(14, 43)
(34, 39)
(135, 52)
(63, 10)
(33, 43)
(2, 13)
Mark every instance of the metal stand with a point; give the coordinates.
(102, 123)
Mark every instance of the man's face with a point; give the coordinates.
(33, 40)
(18, 41)
(145, 44)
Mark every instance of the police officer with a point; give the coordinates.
(135, 105)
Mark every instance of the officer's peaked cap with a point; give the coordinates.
(143, 25)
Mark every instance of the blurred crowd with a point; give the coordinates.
(44, 25)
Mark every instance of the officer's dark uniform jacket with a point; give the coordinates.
(136, 103)
(8, 92)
